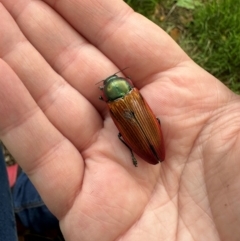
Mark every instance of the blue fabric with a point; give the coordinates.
(7, 219)
(26, 203)
(30, 208)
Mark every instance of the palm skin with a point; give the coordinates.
(64, 139)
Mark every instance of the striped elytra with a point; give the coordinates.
(139, 129)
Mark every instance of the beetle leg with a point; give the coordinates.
(133, 157)
(159, 121)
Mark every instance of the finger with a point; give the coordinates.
(50, 160)
(68, 111)
(125, 37)
(69, 54)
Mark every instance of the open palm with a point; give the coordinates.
(53, 53)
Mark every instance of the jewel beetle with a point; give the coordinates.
(138, 128)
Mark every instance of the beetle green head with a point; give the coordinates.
(116, 87)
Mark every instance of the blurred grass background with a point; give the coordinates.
(207, 30)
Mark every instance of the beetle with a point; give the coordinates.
(138, 127)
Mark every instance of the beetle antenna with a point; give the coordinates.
(121, 70)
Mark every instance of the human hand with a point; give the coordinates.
(64, 139)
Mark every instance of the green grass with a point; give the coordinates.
(213, 40)
(145, 7)
(209, 31)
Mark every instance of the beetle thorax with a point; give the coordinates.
(116, 87)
